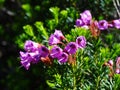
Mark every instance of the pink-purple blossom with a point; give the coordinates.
(118, 65)
(53, 40)
(33, 57)
(103, 24)
(25, 59)
(31, 46)
(71, 48)
(81, 42)
(63, 58)
(118, 59)
(79, 23)
(110, 62)
(33, 53)
(116, 23)
(43, 51)
(56, 37)
(117, 71)
(56, 52)
(58, 34)
(29, 57)
(86, 17)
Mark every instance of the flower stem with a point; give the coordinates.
(74, 83)
(74, 76)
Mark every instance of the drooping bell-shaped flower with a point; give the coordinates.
(29, 57)
(79, 23)
(36, 57)
(58, 34)
(103, 25)
(63, 58)
(25, 59)
(56, 37)
(117, 71)
(56, 52)
(81, 42)
(116, 23)
(86, 17)
(31, 46)
(71, 48)
(43, 51)
(110, 62)
(53, 40)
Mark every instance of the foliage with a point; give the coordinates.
(36, 20)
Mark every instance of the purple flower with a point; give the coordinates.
(25, 59)
(63, 58)
(81, 42)
(110, 62)
(58, 34)
(29, 57)
(56, 52)
(86, 17)
(71, 48)
(117, 71)
(103, 24)
(118, 60)
(79, 23)
(118, 65)
(35, 57)
(31, 46)
(53, 40)
(43, 51)
(56, 37)
(116, 23)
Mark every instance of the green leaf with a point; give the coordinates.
(20, 40)
(101, 17)
(55, 12)
(64, 13)
(51, 24)
(58, 78)
(27, 8)
(50, 84)
(41, 29)
(28, 30)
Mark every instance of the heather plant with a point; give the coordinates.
(79, 59)
(41, 18)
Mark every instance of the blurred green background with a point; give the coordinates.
(14, 14)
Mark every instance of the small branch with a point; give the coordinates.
(74, 77)
(118, 3)
(117, 9)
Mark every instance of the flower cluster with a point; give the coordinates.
(86, 19)
(70, 48)
(110, 64)
(35, 52)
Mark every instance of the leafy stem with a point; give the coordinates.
(74, 73)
